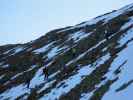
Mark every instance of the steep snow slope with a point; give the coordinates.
(100, 69)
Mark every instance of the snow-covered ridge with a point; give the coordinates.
(104, 18)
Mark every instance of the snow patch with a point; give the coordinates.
(86, 96)
(68, 84)
(18, 49)
(1, 76)
(37, 79)
(72, 81)
(44, 48)
(5, 66)
(14, 92)
(128, 36)
(128, 24)
(78, 36)
(124, 76)
(46, 86)
(55, 51)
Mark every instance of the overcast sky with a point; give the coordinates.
(25, 20)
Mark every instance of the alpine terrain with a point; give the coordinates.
(89, 61)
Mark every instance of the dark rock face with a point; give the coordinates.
(89, 61)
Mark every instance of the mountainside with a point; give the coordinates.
(88, 61)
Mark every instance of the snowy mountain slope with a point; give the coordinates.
(100, 68)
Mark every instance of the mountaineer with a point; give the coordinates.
(45, 72)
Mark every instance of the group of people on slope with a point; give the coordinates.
(39, 61)
(38, 58)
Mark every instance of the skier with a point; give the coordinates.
(28, 83)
